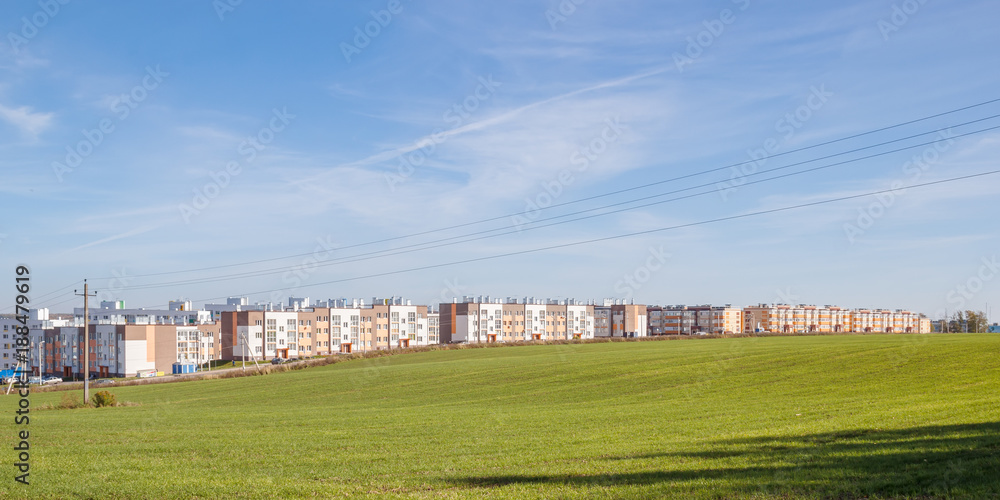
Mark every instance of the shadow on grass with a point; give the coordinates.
(922, 462)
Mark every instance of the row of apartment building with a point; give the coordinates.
(125, 341)
(781, 318)
(485, 319)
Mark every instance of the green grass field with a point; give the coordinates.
(875, 416)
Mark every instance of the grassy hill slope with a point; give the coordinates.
(881, 416)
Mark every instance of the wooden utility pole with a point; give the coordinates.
(86, 339)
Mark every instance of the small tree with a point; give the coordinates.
(976, 321)
(103, 398)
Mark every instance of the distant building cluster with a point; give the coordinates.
(124, 342)
(781, 318)
(486, 319)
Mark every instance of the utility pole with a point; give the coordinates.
(86, 339)
(40, 370)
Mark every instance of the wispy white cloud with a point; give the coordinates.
(483, 124)
(126, 234)
(25, 118)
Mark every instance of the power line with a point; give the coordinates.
(50, 305)
(580, 200)
(44, 295)
(626, 235)
(410, 248)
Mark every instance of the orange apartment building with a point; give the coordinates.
(784, 318)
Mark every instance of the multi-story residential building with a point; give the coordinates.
(121, 350)
(486, 319)
(433, 327)
(304, 329)
(617, 319)
(113, 312)
(239, 304)
(784, 318)
(689, 320)
(36, 319)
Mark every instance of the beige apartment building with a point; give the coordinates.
(121, 350)
(694, 320)
(784, 318)
(338, 326)
(488, 320)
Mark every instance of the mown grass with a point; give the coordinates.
(876, 416)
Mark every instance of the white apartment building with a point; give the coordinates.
(113, 312)
(38, 319)
(486, 319)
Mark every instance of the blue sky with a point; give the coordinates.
(119, 120)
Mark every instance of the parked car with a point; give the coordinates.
(51, 380)
(104, 381)
(277, 361)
